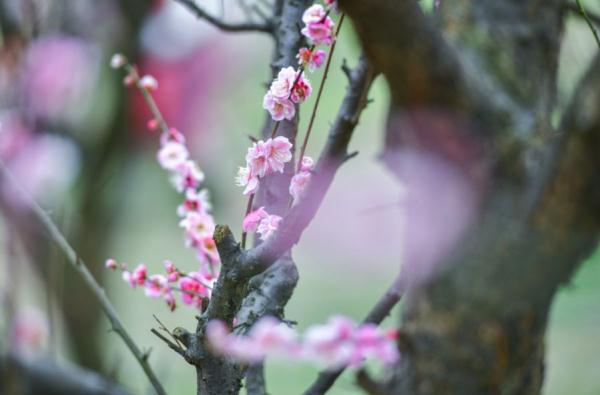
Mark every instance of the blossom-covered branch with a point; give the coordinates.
(378, 313)
(332, 157)
(194, 211)
(77, 263)
(265, 27)
(338, 343)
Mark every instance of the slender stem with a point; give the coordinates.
(275, 127)
(319, 93)
(266, 27)
(589, 22)
(77, 263)
(156, 114)
(248, 210)
(301, 69)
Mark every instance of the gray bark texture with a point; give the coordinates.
(472, 91)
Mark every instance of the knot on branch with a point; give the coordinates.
(228, 248)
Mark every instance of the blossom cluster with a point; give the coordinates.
(301, 179)
(291, 87)
(194, 286)
(262, 159)
(338, 343)
(262, 222)
(288, 89)
(194, 212)
(318, 25)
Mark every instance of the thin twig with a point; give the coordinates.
(165, 329)
(589, 22)
(319, 93)
(77, 263)
(169, 343)
(266, 27)
(248, 210)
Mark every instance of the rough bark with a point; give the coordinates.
(476, 95)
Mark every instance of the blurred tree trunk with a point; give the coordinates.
(473, 94)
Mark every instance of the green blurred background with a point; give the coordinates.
(337, 274)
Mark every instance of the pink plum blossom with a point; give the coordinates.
(149, 83)
(197, 225)
(172, 272)
(207, 250)
(155, 286)
(318, 25)
(246, 179)
(111, 264)
(194, 289)
(298, 184)
(283, 93)
(61, 75)
(195, 201)
(314, 14)
(279, 108)
(302, 90)
(268, 226)
(117, 61)
(252, 220)
(267, 337)
(281, 87)
(170, 299)
(29, 331)
(187, 176)
(257, 158)
(46, 166)
(336, 344)
(172, 155)
(137, 277)
(263, 158)
(307, 164)
(279, 152)
(311, 59)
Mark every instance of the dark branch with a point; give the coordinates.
(191, 5)
(368, 384)
(44, 376)
(81, 268)
(401, 43)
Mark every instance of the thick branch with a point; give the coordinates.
(191, 5)
(77, 263)
(43, 376)
(529, 239)
(401, 43)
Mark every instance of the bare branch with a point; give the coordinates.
(589, 17)
(77, 263)
(191, 5)
(169, 343)
(28, 376)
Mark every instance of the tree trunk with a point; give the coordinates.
(502, 207)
